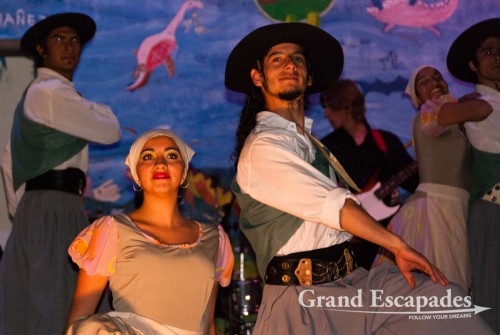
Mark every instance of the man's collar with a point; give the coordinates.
(281, 122)
(47, 72)
(483, 89)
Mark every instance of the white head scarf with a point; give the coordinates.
(410, 87)
(135, 150)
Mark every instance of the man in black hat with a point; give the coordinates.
(45, 165)
(474, 57)
(297, 218)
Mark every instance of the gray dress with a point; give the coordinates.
(169, 284)
(433, 220)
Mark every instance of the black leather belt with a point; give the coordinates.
(70, 180)
(311, 267)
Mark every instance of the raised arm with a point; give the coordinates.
(318, 199)
(87, 293)
(65, 110)
(356, 221)
(469, 109)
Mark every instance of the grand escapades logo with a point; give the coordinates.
(454, 306)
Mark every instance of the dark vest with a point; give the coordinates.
(485, 172)
(36, 148)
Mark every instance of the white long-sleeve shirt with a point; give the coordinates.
(52, 101)
(485, 135)
(274, 168)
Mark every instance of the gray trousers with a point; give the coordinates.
(37, 277)
(282, 312)
(484, 237)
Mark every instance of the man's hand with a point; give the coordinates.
(355, 220)
(407, 260)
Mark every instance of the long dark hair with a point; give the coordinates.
(248, 119)
(254, 104)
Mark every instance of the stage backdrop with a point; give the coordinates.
(161, 64)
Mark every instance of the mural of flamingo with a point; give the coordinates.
(157, 49)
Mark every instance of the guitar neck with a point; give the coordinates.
(396, 180)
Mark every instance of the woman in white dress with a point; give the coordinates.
(433, 220)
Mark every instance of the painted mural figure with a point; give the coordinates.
(295, 11)
(163, 269)
(379, 3)
(474, 57)
(45, 166)
(296, 217)
(412, 13)
(157, 49)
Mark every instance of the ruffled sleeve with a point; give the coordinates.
(429, 113)
(225, 259)
(96, 247)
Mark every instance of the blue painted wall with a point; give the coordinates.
(194, 101)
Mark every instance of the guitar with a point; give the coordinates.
(372, 199)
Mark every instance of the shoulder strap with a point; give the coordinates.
(379, 140)
(339, 169)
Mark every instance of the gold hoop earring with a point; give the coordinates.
(186, 184)
(138, 188)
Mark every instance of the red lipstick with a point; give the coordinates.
(161, 175)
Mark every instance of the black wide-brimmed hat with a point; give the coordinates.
(83, 25)
(322, 50)
(463, 48)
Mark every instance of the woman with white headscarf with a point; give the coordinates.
(163, 269)
(433, 220)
